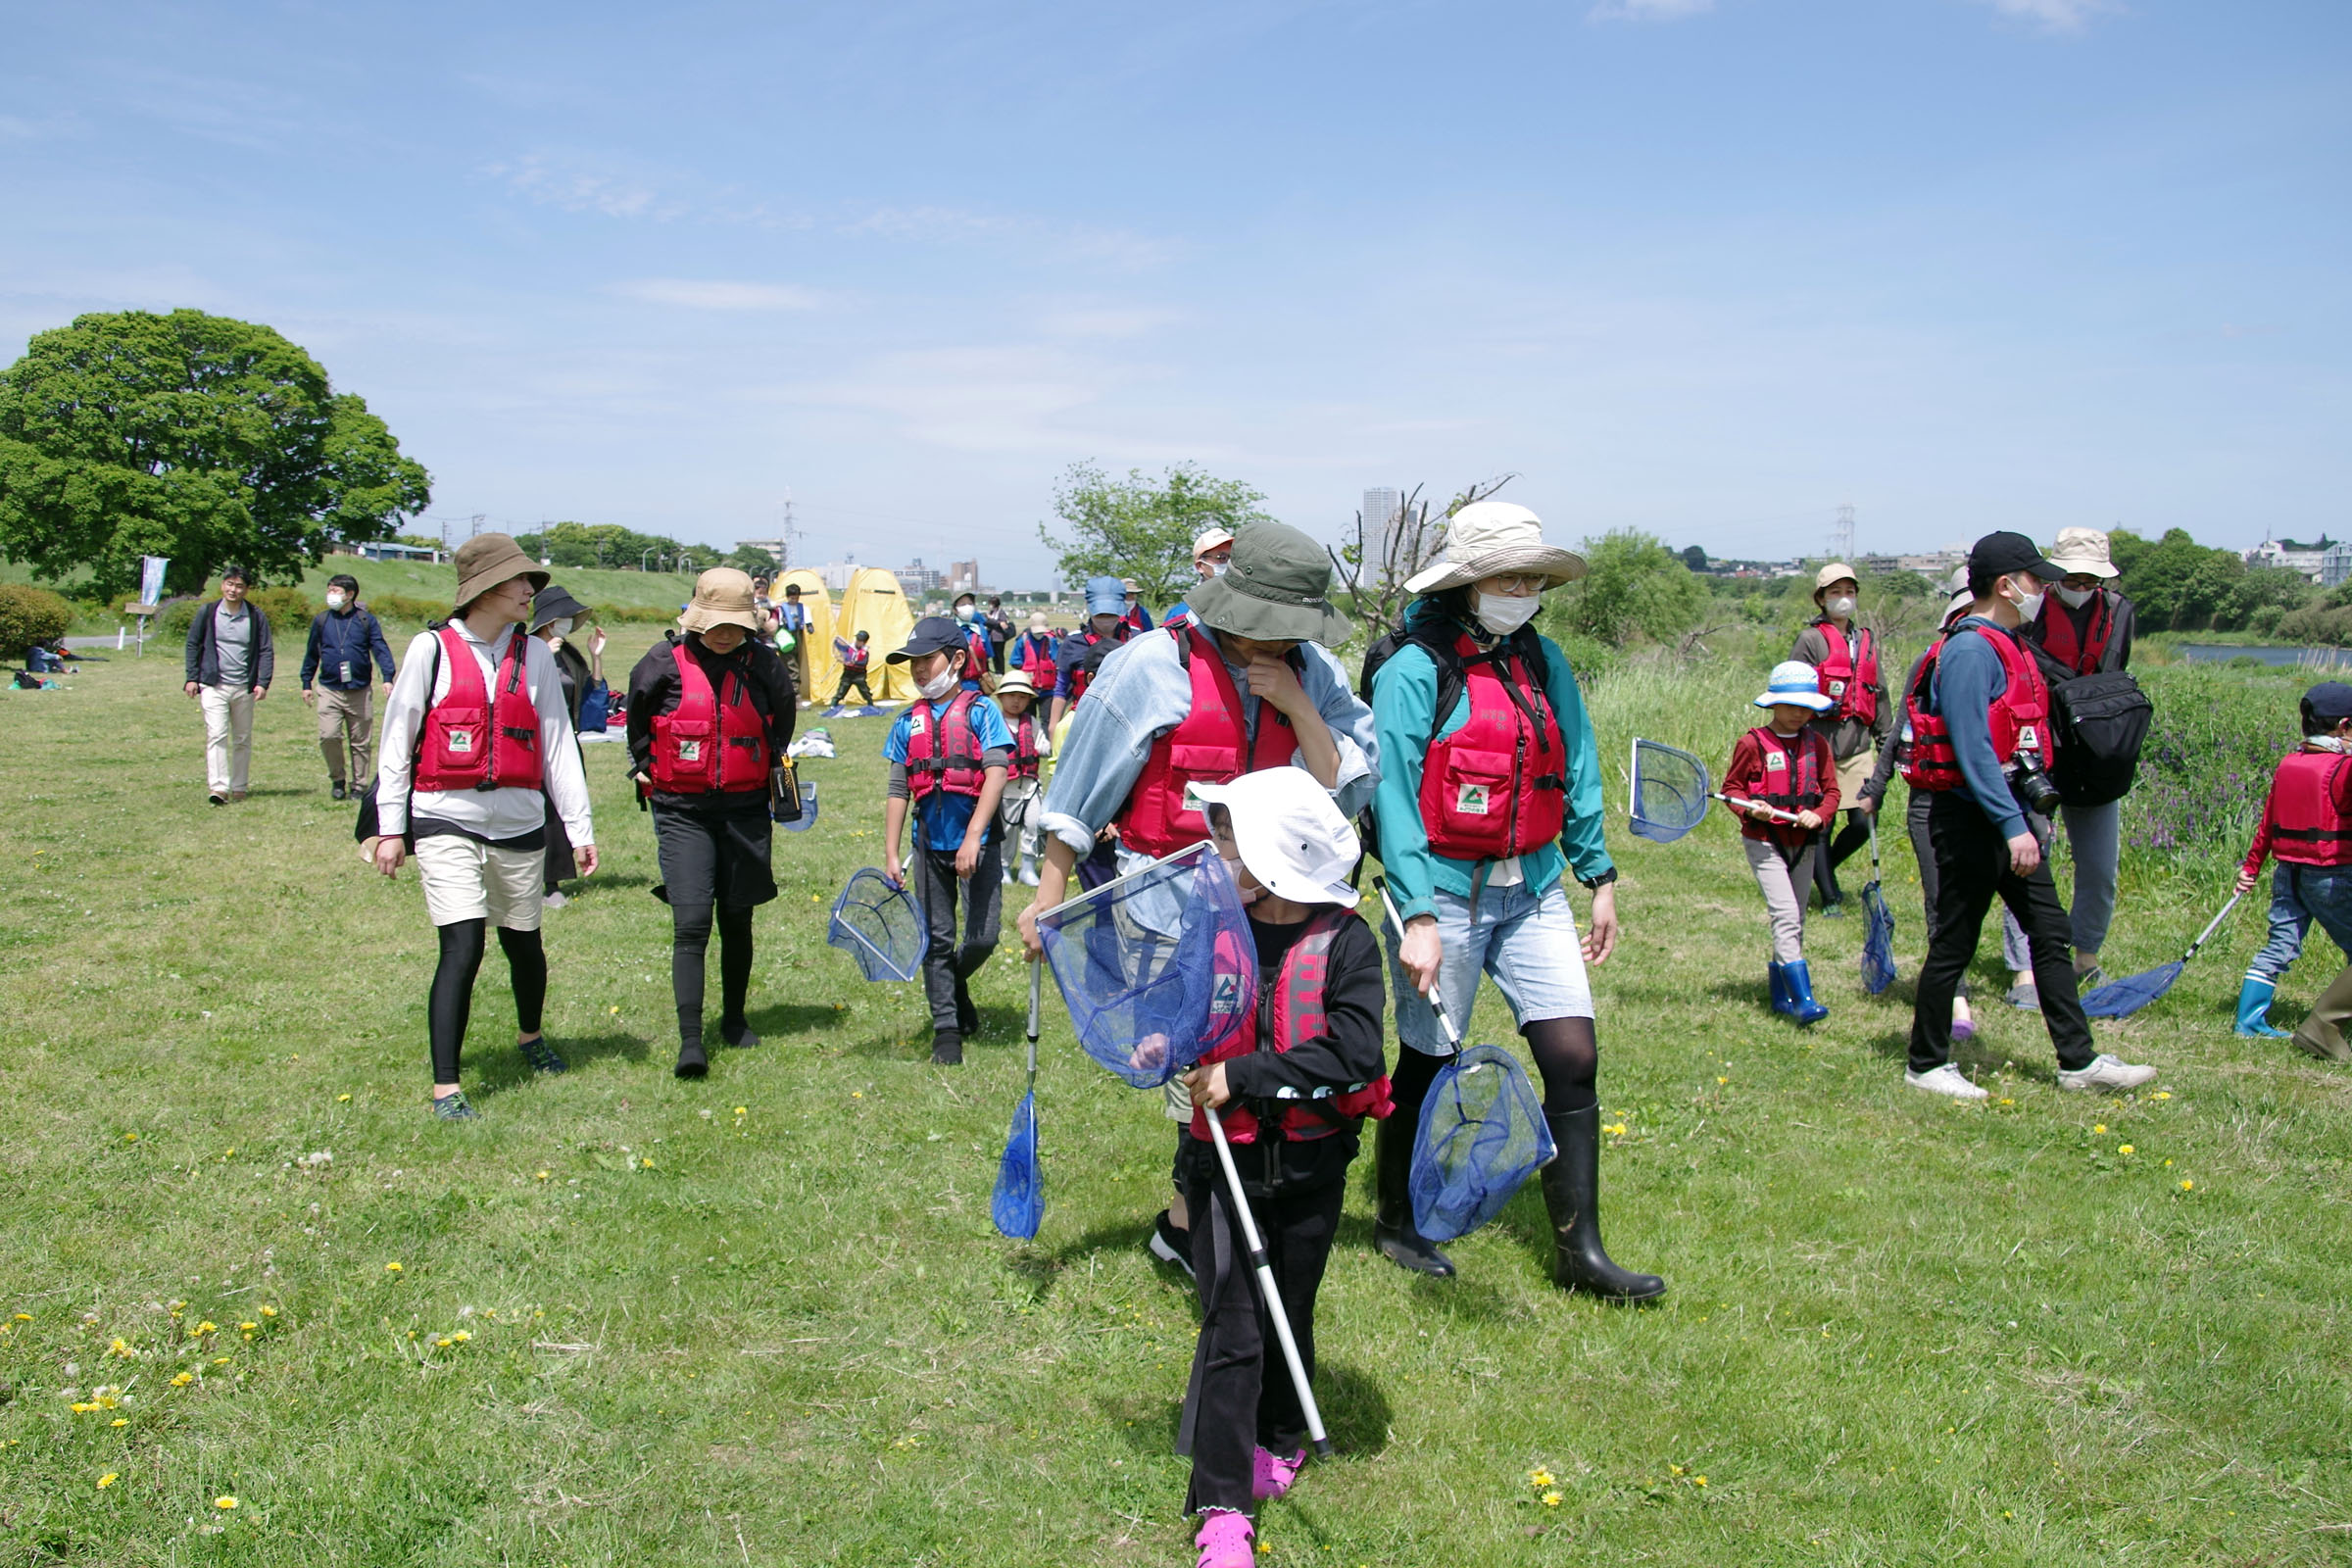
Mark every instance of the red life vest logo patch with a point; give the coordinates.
(690, 750)
(1836, 688)
(1471, 800)
(1225, 997)
(2028, 739)
(461, 740)
(1192, 798)
(1777, 761)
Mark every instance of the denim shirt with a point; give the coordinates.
(1404, 694)
(1143, 691)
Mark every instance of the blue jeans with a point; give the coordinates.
(2299, 895)
(1526, 940)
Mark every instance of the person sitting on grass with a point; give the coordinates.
(2307, 824)
(474, 726)
(1786, 769)
(1292, 1090)
(948, 754)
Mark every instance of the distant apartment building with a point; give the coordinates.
(2310, 561)
(2336, 565)
(837, 573)
(915, 578)
(775, 548)
(963, 576)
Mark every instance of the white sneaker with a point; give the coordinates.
(2106, 1071)
(1945, 1080)
(557, 901)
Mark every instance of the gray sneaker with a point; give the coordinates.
(2026, 997)
(452, 1107)
(2106, 1071)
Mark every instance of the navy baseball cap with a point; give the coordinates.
(2331, 699)
(933, 634)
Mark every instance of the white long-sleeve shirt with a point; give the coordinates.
(493, 815)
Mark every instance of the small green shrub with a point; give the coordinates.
(287, 609)
(635, 614)
(28, 615)
(406, 607)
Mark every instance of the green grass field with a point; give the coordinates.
(764, 1319)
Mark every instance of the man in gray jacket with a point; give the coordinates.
(229, 663)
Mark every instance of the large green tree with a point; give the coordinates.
(198, 437)
(1634, 588)
(1141, 528)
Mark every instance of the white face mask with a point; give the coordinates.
(2028, 606)
(937, 686)
(1218, 569)
(2073, 597)
(964, 612)
(563, 626)
(1505, 613)
(1841, 606)
(336, 601)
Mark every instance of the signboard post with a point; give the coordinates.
(151, 593)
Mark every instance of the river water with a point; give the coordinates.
(2222, 653)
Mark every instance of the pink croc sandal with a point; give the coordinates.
(1271, 1474)
(1224, 1541)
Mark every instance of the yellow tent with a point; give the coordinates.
(874, 604)
(820, 671)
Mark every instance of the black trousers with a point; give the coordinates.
(850, 678)
(950, 958)
(1240, 1396)
(714, 870)
(1923, 850)
(1972, 870)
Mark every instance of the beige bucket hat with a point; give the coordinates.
(487, 560)
(1016, 680)
(1835, 571)
(723, 597)
(2082, 550)
(1486, 537)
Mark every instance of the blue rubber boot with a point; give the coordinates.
(1801, 1006)
(2253, 1008)
(1778, 973)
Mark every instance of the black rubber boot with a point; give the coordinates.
(1572, 1195)
(692, 1062)
(1393, 1226)
(946, 1049)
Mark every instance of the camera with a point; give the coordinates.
(2032, 787)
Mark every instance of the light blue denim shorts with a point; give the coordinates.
(1527, 941)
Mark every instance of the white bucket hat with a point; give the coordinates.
(1294, 839)
(2082, 550)
(1486, 537)
(1795, 682)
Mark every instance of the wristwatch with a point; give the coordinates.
(1594, 884)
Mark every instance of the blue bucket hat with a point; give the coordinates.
(1105, 595)
(1795, 682)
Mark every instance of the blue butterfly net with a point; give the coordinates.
(1670, 791)
(1482, 1135)
(1877, 939)
(879, 926)
(1018, 1205)
(1156, 967)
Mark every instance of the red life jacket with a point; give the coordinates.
(2019, 719)
(1850, 672)
(473, 741)
(1024, 762)
(942, 751)
(1795, 764)
(2308, 822)
(1084, 673)
(1211, 746)
(1032, 652)
(2054, 629)
(1290, 1010)
(855, 654)
(709, 745)
(1499, 785)
(975, 647)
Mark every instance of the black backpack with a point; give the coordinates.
(2100, 722)
(1436, 638)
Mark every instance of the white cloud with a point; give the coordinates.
(716, 294)
(2056, 15)
(1649, 10)
(580, 189)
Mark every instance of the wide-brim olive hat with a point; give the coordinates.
(487, 560)
(723, 597)
(1276, 590)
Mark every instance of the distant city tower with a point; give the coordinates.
(1842, 534)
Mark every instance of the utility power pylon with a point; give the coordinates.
(1842, 534)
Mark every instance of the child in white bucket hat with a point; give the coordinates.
(1781, 770)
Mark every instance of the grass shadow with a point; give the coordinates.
(790, 1018)
(501, 1067)
(1041, 1266)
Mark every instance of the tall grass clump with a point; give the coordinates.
(2206, 768)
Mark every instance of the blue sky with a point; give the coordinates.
(1708, 270)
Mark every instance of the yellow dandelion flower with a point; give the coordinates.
(248, 1326)
(442, 1342)
(742, 1110)
(2098, 1127)
(391, 1268)
(122, 1347)
(219, 1361)
(224, 1503)
(208, 1326)
(1676, 1468)
(2163, 1094)
(1539, 1478)
(119, 1421)
(1699, 1481)
(1551, 1500)
(543, 1175)
(109, 1478)
(2189, 1186)
(183, 1380)
(268, 1311)
(1722, 1080)
(462, 1336)
(22, 1317)
(342, 1098)
(2123, 1149)
(615, 1009)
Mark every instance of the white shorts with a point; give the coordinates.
(467, 880)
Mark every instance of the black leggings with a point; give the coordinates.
(689, 933)
(1567, 1053)
(452, 1005)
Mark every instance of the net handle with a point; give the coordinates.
(1772, 813)
(1267, 1291)
(1453, 1036)
(2212, 927)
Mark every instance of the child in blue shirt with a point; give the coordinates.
(948, 754)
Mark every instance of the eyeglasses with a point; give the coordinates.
(1517, 582)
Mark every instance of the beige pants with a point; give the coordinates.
(1784, 887)
(227, 738)
(467, 880)
(2323, 1033)
(343, 719)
